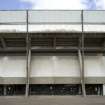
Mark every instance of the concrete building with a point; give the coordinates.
(52, 52)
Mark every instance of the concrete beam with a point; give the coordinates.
(35, 49)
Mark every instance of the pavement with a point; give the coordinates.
(52, 100)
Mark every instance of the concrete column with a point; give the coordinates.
(28, 60)
(81, 72)
(81, 55)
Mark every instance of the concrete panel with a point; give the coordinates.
(95, 66)
(52, 66)
(42, 66)
(13, 66)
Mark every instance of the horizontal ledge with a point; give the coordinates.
(35, 49)
(52, 80)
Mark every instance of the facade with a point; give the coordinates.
(52, 52)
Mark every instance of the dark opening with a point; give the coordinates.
(1, 90)
(51, 89)
(15, 89)
(94, 89)
(55, 89)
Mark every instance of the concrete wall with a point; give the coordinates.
(55, 66)
(51, 69)
(12, 66)
(15, 66)
(95, 66)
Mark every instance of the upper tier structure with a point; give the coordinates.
(52, 20)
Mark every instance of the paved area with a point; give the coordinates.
(52, 100)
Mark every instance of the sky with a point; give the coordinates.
(52, 4)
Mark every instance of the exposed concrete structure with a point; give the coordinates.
(55, 49)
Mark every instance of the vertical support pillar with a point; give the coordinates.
(81, 57)
(81, 72)
(28, 62)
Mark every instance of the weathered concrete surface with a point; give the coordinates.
(52, 100)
